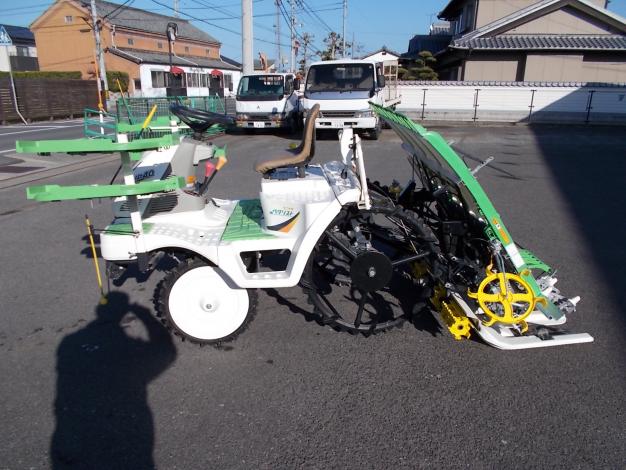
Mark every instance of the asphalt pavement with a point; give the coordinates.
(105, 386)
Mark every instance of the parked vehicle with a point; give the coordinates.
(268, 100)
(343, 89)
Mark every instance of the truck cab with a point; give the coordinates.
(343, 89)
(268, 100)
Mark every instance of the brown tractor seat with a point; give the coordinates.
(298, 157)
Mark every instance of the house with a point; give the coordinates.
(17, 49)
(530, 40)
(134, 41)
(390, 60)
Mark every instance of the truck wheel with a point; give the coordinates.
(375, 133)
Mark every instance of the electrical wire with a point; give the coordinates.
(110, 15)
(232, 31)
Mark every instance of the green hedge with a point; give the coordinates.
(121, 76)
(41, 74)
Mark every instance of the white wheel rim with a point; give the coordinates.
(203, 305)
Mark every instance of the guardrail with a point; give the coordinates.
(459, 101)
(135, 110)
(99, 124)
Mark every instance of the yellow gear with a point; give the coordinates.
(504, 296)
(456, 321)
(458, 324)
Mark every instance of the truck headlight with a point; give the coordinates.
(242, 117)
(364, 114)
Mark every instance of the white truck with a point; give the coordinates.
(268, 100)
(343, 89)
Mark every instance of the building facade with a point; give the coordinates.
(18, 51)
(134, 41)
(530, 40)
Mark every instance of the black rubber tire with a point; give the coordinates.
(375, 133)
(161, 302)
(312, 287)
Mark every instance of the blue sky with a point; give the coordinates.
(373, 23)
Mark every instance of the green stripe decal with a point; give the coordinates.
(245, 222)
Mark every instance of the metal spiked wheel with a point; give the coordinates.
(359, 277)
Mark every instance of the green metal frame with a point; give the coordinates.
(496, 230)
(135, 110)
(94, 145)
(99, 124)
(54, 192)
(129, 151)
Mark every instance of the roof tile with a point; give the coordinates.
(143, 20)
(543, 42)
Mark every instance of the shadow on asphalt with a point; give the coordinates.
(103, 420)
(592, 182)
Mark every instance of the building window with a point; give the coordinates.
(228, 81)
(22, 51)
(469, 17)
(69, 19)
(160, 45)
(208, 52)
(187, 49)
(158, 79)
(137, 83)
(195, 80)
(131, 41)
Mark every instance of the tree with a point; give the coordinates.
(307, 39)
(421, 68)
(334, 46)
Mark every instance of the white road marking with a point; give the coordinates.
(7, 151)
(39, 130)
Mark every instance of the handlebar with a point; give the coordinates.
(198, 120)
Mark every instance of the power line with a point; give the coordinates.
(110, 15)
(232, 31)
(286, 18)
(313, 14)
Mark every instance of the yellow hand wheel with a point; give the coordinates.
(501, 302)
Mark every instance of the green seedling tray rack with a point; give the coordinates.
(93, 145)
(54, 192)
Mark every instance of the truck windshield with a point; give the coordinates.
(340, 77)
(261, 87)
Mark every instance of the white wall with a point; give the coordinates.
(149, 92)
(512, 103)
(4, 58)
(382, 56)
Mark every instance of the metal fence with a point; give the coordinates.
(514, 103)
(135, 110)
(98, 124)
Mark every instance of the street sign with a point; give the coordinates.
(5, 39)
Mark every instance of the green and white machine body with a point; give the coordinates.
(155, 211)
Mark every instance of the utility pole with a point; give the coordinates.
(293, 35)
(246, 36)
(99, 55)
(279, 60)
(343, 34)
(176, 8)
